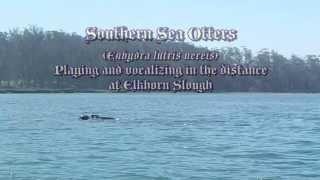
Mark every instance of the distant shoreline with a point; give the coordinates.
(18, 91)
(39, 91)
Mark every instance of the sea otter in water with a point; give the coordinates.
(95, 116)
(84, 117)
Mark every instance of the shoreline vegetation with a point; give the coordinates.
(39, 91)
(28, 58)
(67, 91)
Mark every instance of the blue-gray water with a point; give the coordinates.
(160, 136)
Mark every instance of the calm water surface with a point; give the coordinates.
(160, 136)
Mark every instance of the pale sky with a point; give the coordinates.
(287, 26)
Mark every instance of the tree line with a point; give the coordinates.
(28, 58)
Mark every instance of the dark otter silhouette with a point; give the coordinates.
(95, 116)
(84, 117)
(106, 118)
